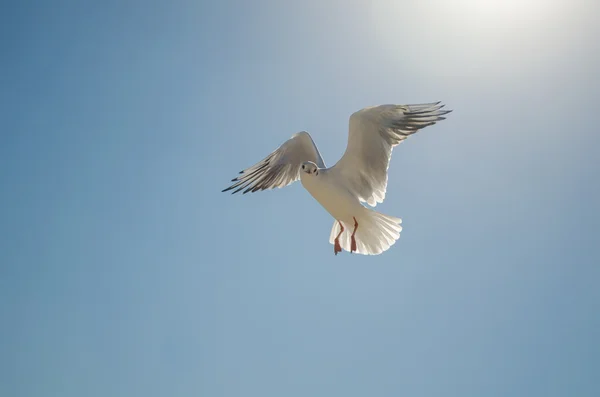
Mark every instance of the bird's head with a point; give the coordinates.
(310, 168)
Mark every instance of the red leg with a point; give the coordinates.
(353, 240)
(336, 245)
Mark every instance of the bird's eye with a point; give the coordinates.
(302, 166)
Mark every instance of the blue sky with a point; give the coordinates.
(124, 271)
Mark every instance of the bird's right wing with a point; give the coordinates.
(281, 167)
(373, 133)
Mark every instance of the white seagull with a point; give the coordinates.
(360, 176)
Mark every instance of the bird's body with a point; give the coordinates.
(331, 194)
(375, 232)
(360, 176)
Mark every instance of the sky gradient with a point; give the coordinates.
(124, 271)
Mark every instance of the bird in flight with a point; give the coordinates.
(360, 176)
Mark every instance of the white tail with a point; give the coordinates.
(375, 234)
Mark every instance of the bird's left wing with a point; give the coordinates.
(281, 167)
(373, 133)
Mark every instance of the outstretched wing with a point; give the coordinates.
(373, 133)
(281, 167)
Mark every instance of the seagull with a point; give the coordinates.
(360, 176)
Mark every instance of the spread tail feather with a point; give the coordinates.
(375, 234)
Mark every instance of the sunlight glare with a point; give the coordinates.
(466, 33)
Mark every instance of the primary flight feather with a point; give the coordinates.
(360, 176)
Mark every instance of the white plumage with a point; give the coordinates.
(360, 176)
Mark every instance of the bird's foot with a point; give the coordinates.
(336, 246)
(352, 239)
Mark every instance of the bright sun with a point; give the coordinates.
(426, 31)
(502, 9)
(466, 13)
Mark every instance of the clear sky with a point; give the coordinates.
(124, 271)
